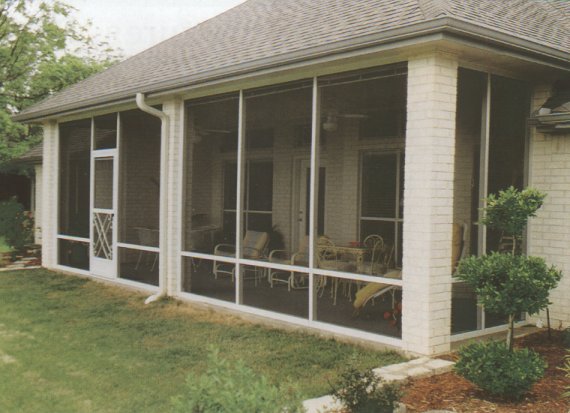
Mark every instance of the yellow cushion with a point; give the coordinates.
(368, 291)
(254, 243)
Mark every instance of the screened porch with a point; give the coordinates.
(319, 216)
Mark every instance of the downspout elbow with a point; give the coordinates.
(165, 130)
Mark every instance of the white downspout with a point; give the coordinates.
(163, 239)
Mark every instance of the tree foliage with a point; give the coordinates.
(42, 50)
(510, 210)
(507, 284)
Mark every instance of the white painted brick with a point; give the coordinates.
(49, 209)
(430, 160)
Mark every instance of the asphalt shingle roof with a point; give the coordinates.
(34, 155)
(258, 30)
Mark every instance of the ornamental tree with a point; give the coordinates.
(510, 284)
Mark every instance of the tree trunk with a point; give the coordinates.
(548, 323)
(511, 332)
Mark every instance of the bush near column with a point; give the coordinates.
(499, 371)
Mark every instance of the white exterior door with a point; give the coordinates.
(304, 180)
(104, 216)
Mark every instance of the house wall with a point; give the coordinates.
(549, 232)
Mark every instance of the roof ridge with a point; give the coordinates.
(433, 9)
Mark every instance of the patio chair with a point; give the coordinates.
(254, 247)
(147, 237)
(375, 247)
(300, 258)
(329, 258)
(371, 291)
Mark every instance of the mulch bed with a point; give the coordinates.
(451, 392)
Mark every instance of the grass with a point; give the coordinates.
(3, 246)
(68, 344)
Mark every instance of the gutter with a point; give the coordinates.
(163, 239)
(450, 25)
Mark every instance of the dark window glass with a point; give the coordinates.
(74, 254)
(260, 186)
(230, 186)
(379, 186)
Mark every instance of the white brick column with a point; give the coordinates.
(428, 203)
(175, 111)
(50, 201)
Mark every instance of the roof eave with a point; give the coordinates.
(553, 118)
(446, 25)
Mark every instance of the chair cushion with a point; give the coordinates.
(254, 243)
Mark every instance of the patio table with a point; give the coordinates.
(357, 252)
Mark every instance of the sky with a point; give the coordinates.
(135, 25)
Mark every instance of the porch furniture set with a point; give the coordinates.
(371, 257)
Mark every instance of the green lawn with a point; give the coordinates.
(72, 345)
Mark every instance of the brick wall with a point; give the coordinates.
(428, 208)
(549, 232)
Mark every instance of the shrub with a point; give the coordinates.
(229, 388)
(361, 392)
(16, 226)
(499, 371)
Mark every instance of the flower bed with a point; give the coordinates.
(451, 392)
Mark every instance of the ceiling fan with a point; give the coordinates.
(201, 133)
(330, 123)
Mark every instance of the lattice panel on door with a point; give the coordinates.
(103, 235)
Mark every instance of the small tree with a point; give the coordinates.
(508, 283)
